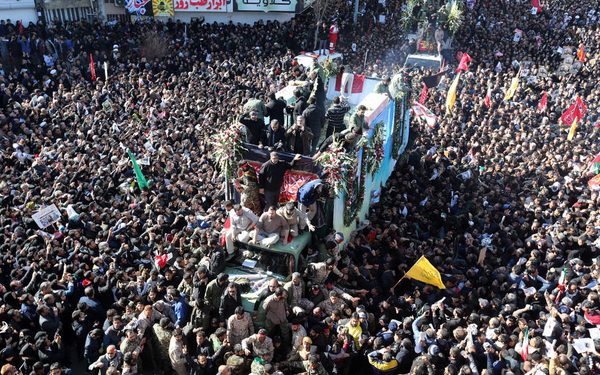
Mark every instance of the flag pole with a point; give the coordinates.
(404, 276)
(395, 285)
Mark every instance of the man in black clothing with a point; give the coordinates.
(255, 129)
(323, 34)
(276, 109)
(314, 120)
(297, 109)
(299, 138)
(275, 138)
(270, 177)
(335, 116)
(349, 139)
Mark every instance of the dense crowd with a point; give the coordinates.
(515, 239)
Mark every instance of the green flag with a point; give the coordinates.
(141, 180)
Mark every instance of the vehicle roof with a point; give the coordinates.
(424, 57)
(293, 248)
(425, 61)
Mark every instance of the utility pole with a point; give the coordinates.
(355, 15)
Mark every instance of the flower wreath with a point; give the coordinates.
(375, 148)
(228, 150)
(336, 164)
(398, 128)
(353, 202)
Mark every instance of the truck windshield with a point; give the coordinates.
(263, 261)
(427, 62)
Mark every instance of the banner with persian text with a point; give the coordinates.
(288, 6)
(200, 5)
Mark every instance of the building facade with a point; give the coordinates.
(18, 10)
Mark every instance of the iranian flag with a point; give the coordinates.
(423, 113)
(595, 166)
(594, 183)
(562, 283)
(525, 345)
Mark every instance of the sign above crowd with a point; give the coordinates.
(46, 216)
(267, 5)
(168, 8)
(200, 5)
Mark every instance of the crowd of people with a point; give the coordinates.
(515, 238)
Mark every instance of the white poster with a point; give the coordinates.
(266, 6)
(46, 216)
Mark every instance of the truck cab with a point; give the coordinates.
(254, 266)
(424, 61)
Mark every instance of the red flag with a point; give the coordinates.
(92, 68)
(488, 97)
(357, 84)
(576, 110)
(160, 261)
(21, 27)
(464, 60)
(581, 53)
(423, 95)
(536, 4)
(544, 102)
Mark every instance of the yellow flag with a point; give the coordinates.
(425, 272)
(572, 130)
(513, 88)
(451, 97)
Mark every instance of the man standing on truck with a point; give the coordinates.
(383, 87)
(270, 177)
(335, 116)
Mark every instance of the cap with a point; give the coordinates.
(262, 332)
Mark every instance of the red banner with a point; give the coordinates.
(465, 59)
(423, 95)
(544, 102)
(92, 68)
(581, 54)
(576, 110)
(292, 181)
